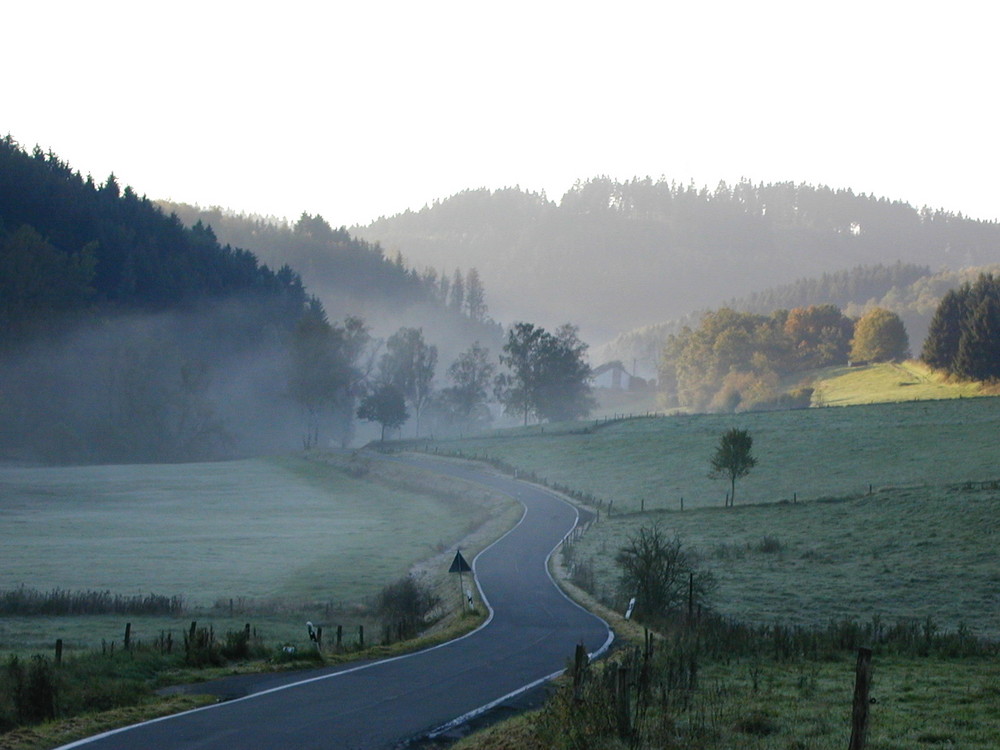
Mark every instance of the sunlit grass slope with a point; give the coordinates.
(886, 382)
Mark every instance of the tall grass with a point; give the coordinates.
(24, 601)
(713, 683)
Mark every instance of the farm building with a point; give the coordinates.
(614, 376)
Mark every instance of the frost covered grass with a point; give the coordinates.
(908, 554)
(806, 454)
(270, 534)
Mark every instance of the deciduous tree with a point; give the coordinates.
(547, 375)
(386, 406)
(408, 364)
(471, 375)
(880, 336)
(733, 459)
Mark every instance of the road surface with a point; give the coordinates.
(532, 631)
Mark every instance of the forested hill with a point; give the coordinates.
(352, 276)
(73, 248)
(126, 336)
(613, 256)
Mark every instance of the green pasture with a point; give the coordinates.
(891, 517)
(804, 454)
(271, 534)
(901, 554)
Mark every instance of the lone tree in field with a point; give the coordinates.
(385, 405)
(733, 459)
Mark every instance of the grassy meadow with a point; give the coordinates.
(897, 554)
(920, 703)
(275, 535)
(896, 520)
(806, 454)
(885, 523)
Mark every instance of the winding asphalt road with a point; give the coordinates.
(532, 631)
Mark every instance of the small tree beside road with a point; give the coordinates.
(660, 573)
(733, 459)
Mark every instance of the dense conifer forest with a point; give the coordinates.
(126, 336)
(356, 277)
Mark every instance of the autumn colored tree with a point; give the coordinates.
(820, 335)
(880, 336)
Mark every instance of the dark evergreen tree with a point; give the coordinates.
(964, 339)
(941, 345)
(978, 355)
(475, 296)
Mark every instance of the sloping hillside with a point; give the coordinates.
(614, 256)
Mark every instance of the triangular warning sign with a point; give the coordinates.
(459, 565)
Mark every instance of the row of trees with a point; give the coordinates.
(545, 376)
(735, 360)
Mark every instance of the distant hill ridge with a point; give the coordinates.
(613, 256)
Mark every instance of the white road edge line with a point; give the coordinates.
(521, 690)
(454, 722)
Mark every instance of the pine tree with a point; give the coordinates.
(941, 344)
(978, 355)
(457, 299)
(475, 296)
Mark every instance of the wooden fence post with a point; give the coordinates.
(622, 700)
(128, 635)
(340, 635)
(859, 716)
(361, 635)
(59, 647)
(580, 661)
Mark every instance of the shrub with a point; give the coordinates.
(403, 606)
(660, 573)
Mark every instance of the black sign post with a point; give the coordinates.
(459, 565)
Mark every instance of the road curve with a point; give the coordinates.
(532, 631)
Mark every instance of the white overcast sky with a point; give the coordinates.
(363, 108)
